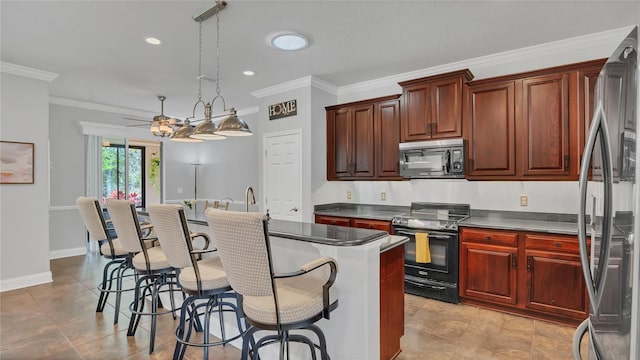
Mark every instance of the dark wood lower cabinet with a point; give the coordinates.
(382, 225)
(532, 274)
(391, 302)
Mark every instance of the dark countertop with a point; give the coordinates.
(361, 211)
(523, 221)
(392, 241)
(323, 234)
(314, 233)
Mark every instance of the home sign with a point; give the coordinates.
(283, 109)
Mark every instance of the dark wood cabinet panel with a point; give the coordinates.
(363, 138)
(432, 106)
(387, 138)
(490, 125)
(587, 79)
(363, 149)
(391, 302)
(554, 284)
(545, 126)
(446, 101)
(339, 133)
(489, 272)
(416, 121)
(333, 220)
(381, 225)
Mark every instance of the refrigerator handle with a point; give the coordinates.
(577, 338)
(595, 283)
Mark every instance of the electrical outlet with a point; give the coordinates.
(524, 200)
(349, 195)
(383, 196)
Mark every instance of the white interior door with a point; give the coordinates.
(283, 175)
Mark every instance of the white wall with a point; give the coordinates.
(227, 166)
(555, 197)
(311, 119)
(24, 208)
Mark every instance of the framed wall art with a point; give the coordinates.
(16, 162)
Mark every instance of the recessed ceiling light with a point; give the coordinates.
(152, 40)
(290, 41)
(248, 72)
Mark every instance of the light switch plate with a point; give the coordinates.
(383, 196)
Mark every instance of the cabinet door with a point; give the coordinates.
(333, 220)
(362, 153)
(545, 126)
(488, 272)
(446, 108)
(587, 78)
(372, 224)
(339, 134)
(416, 113)
(555, 284)
(490, 121)
(387, 138)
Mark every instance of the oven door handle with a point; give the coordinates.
(424, 285)
(411, 233)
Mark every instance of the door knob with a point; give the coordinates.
(295, 209)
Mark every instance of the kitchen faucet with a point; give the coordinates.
(246, 198)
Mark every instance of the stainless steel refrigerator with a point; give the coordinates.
(608, 224)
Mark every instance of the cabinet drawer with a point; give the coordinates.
(333, 220)
(490, 237)
(552, 243)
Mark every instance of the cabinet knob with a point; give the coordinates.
(557, 244)
(488, 238)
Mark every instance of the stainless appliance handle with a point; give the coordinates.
(595, 284)
(424, 285)
(412, 233)
(577, 338)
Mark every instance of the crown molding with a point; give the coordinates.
(307, 81)
(28, 72)
(591, 41)
(248, 111)
(100, 107)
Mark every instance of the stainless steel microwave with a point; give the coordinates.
(432, 159)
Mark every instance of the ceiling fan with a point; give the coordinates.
(161, 125)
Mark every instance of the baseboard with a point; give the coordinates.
(58, 254)
(25, 281)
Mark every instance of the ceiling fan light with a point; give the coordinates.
(165, 128)
(155, 127)
(233, 126)
(206, 131)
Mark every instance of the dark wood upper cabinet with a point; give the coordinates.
(432, 106)
(529, 126)
(587, 78)
(545, 125)
(490, 123)
(386, 138)
(363, 138)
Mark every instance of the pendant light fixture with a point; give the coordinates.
(231, 125)
(184, 133)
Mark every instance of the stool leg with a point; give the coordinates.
(324, 355)
(246, 339)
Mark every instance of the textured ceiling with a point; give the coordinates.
(98, 48)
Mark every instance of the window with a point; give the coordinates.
(122, 180)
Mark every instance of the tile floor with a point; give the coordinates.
(58, 321)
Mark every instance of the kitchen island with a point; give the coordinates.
(353, 332)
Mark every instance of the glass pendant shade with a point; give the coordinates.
(233, 126)
(206, 131)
